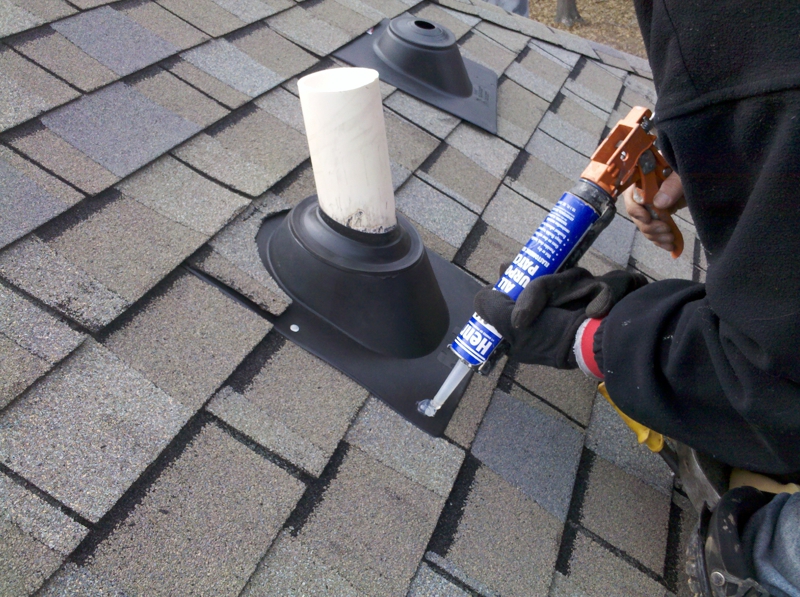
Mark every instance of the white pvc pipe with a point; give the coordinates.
(343, 115)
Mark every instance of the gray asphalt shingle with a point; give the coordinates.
(628, 514)
(596, 571)
(372, 526)
(539, 182)
(176, 96)
(609, 437)
(58, 156)
(435, 211)
(435, 121)
(223, 93)
(95, 424)
(491, 248)
(249, 153)
(207, 16)
(14, 19)
(24, 562)
(491, 153)
(533, 448)
(434, 13)
(393, 441)
(518, 112)
(60, 56)
(34, 329)
(290, 568)
(560, 157)
(539, 72)
(616, 242)
(569, 391)
(47, 10)
(35, 517)
(251, 11)
(314, 34)
(458, 176)
(182, 195)
(119, 128)
(340, 16)
(428, 583)
(593, 84)
(27, 90)
(114, 40)
(188, 339)
(275, 52)
(574, 126)
(19, 368)
(218, 494)
(162, 22)
(75, 580)
(409, 145)
(511, 40)
(513, 215)
(25, 204)
(523, 537)
(38, 270)
(479, 48)
(387, 9)
(124, 245)
(276, 398)
(569, 59)
(283, 106)
(234, 260)
(221, 59)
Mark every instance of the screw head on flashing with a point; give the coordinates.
(717, 578)
(294, 327)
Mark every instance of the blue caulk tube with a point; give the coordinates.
(564, 236)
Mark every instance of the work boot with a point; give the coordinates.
(716, 563)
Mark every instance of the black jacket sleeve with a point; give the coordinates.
(717, 366)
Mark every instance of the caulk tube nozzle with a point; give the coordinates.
(546, 252)
(429, 407)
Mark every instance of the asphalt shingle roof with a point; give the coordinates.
(157, 437)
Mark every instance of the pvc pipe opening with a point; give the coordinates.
(337, 79)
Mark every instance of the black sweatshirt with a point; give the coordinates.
(717, 365)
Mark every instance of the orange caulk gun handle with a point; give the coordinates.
(629, 156)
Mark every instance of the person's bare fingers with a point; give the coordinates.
(670, 194)
(655, 227)
(637, 212)
(659, 239)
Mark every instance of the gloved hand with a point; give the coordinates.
(541, 325)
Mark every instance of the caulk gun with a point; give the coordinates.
(627, 156)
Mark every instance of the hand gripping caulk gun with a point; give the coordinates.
(627, 156)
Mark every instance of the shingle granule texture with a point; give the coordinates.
(188, 339)
(390, 439)
(296, 405)
(27, 90)
(119, 128)
(113, 39)
(220, 502)
(533, 448)
(372, 525)
(88, 430)
(524, 538)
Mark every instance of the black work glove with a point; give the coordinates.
(541, 325)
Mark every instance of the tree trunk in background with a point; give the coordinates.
(567, 13)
